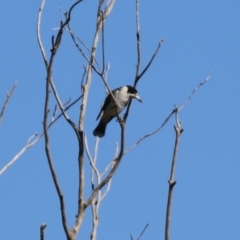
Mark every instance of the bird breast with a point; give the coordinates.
(122, 98)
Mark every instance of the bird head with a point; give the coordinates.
(133, 93)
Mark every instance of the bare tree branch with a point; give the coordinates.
(54, 49)
(152, 133)
(171, 181)
(138, 40)
(61, 106)
(85, 88)
(113, 170)
(102, 73)
(61, 114)
(9, 95)
(57, 108)
(143, 232)
(55, 45)
(194, 90)
(150, 62)
(42, 228)
(103, 46)
(138, 74)
(108, 166)
(92, 161)
(96, 178)
(39, 19)
(75, 38)
(95, 204)
(131, 236)
(117, 160)
(169, 116)
(110, 181)
(31, 143)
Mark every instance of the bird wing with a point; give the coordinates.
(106, 102)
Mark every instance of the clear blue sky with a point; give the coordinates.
(199, 37)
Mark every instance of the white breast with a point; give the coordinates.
(121, 97)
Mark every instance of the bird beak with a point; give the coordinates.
(138, 98)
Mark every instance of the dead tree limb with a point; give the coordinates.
(171, 181)
(48, 64)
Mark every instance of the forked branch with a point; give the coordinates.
(170, 115)
(138, 74)
(31, 142)
(117, 161)
(55, 46)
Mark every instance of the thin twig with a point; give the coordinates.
(54, 50)
(111, 163)
(150, 62)
(103, 46)
(170, 115)
(138, 74)
(75, 38)
(83, 76)
(30, 144)
(194, 90)
(97, 200)
(152, 133)
(91, 161)
(96, 203)
(9, 95)
(65, 109)
(110, 181)
(39, 33)
(108, 166)
(102, 73)
(61, 106)
(57, 108)
(113, 170)
(138, 40)
(143, 231)
(131, 236)
(57, 42)
(60, 12)
(171, 181)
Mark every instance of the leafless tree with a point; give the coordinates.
(98, 179)
(104, 178)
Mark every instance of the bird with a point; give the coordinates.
(122, 96)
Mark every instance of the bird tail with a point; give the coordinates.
(100, 129)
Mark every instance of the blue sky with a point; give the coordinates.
(199, 37)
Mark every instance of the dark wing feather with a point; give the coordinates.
(107, 100)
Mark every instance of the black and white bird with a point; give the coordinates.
(122, 96)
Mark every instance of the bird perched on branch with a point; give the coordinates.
(122, 96)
